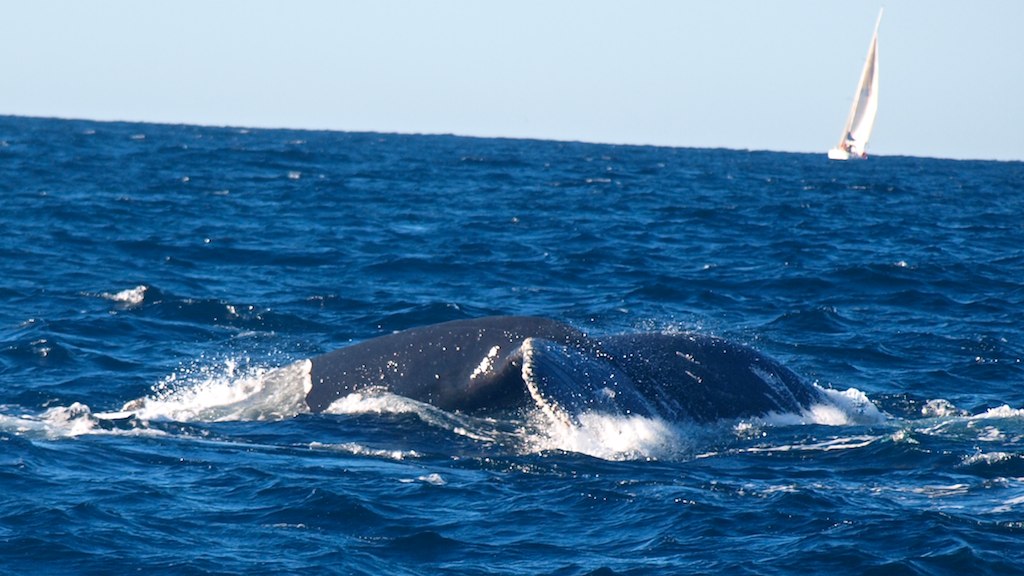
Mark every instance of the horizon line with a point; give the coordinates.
(477, 136)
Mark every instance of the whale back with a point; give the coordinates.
(469, 365)
(705, 378)
(500, 363)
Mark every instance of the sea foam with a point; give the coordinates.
(228, 393)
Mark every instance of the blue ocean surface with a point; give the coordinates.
(182, 274)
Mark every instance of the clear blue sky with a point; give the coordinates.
(754, 74)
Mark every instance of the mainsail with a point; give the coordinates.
(854, 141)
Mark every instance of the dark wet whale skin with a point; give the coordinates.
(476, 366)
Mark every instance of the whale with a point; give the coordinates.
(496, 364)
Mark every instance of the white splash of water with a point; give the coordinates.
(228, 394)
(1001, 424)
(611, 437)
(374, 401)
(1000, 412)
(849, 407)
(67, 422)
(57, 422)
(379, 401)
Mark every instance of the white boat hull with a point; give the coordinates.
(840, 154)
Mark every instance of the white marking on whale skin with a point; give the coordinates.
(688, 357)
(487, 364)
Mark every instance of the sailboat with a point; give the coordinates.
(854, 141)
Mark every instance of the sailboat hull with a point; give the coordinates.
(838, 154)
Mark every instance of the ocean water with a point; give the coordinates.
(186, 271)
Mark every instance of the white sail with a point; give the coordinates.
(857, 131)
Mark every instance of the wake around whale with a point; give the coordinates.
(493, 364)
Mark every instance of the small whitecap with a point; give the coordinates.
(903, 436)
(287, 526)
(942, 490)
(988, 458)
(130, 297)
(991, 434)
(433, 478)
(779, 489)
(294, 174)
(940, 408)
(360, 450)
(42, 347)
(1000, 412)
